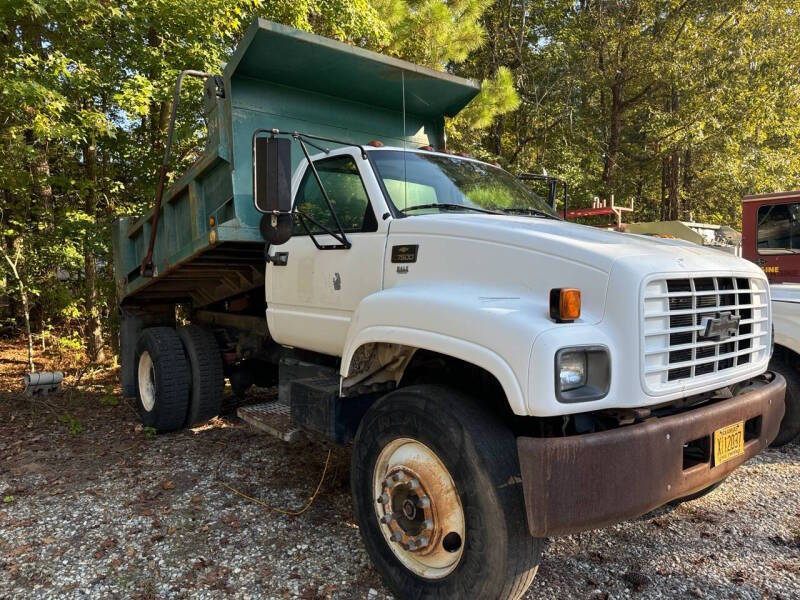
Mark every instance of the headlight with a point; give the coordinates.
(572, 370)
(582, 373)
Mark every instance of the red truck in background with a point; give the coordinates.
(771, 239)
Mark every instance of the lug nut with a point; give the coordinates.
(422, 541)
(413, 484)
(387, 518)
(400, 476)
(424, 502)
(427, 524)
(383, 498)
(396, 536)
(412, 545)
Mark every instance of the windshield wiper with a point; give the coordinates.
(450, 206)
(533, 212)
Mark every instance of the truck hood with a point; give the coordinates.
(596, 248)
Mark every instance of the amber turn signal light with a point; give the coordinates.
(565, 304)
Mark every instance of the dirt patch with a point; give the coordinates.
(92, 505)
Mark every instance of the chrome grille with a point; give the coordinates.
(675, 351)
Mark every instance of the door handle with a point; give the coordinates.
(279, 259)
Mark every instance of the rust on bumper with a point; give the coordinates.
(587, 481)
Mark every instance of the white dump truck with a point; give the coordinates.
(501, 374)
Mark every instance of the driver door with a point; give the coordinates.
(311, 299)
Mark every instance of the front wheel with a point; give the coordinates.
(438, 498)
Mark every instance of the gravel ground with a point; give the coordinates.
(106, 510)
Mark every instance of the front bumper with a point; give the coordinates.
(587, 481)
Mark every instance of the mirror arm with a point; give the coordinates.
(317, 146)
(307, 136)
(303, 139)
(342, 245)
(343, 239)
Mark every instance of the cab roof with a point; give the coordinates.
(771, 196)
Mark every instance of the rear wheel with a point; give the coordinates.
(162, 379)
(437, 494)
(207, 379)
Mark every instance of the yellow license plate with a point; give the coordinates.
(728, 442)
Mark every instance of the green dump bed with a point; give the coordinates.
(208, 246)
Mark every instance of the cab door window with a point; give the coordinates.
(342, 181)
(778, 229)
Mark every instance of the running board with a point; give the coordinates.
(273, 418)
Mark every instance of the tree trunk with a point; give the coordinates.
(94, 330)
(497, 136)
(614, 134)
(158, 111)
(673, 185)
(23, 292)
(40, 177)
(664, 177)
(39, 164)
(672, 175)
(687, 182)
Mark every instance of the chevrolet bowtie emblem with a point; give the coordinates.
(721, 326)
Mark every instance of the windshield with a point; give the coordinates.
(425, 183)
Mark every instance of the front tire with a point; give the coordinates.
(438, 498)
(783, 363)
(162, 379)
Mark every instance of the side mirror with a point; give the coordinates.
(272, 187)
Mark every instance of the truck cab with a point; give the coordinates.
(502, 375)
(771, 240)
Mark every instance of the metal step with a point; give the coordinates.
(273, 418)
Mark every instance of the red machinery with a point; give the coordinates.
(600, 208)
(771, 234)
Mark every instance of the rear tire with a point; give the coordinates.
(207, 379)
(783, 363)
(496, 558)
(162, 379)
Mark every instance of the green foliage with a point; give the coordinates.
(71, 423)
(681, 106)
(433, 32)
(109, 400)
(84, 103)
(149, 433)
(70, 342)
(497, 97)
